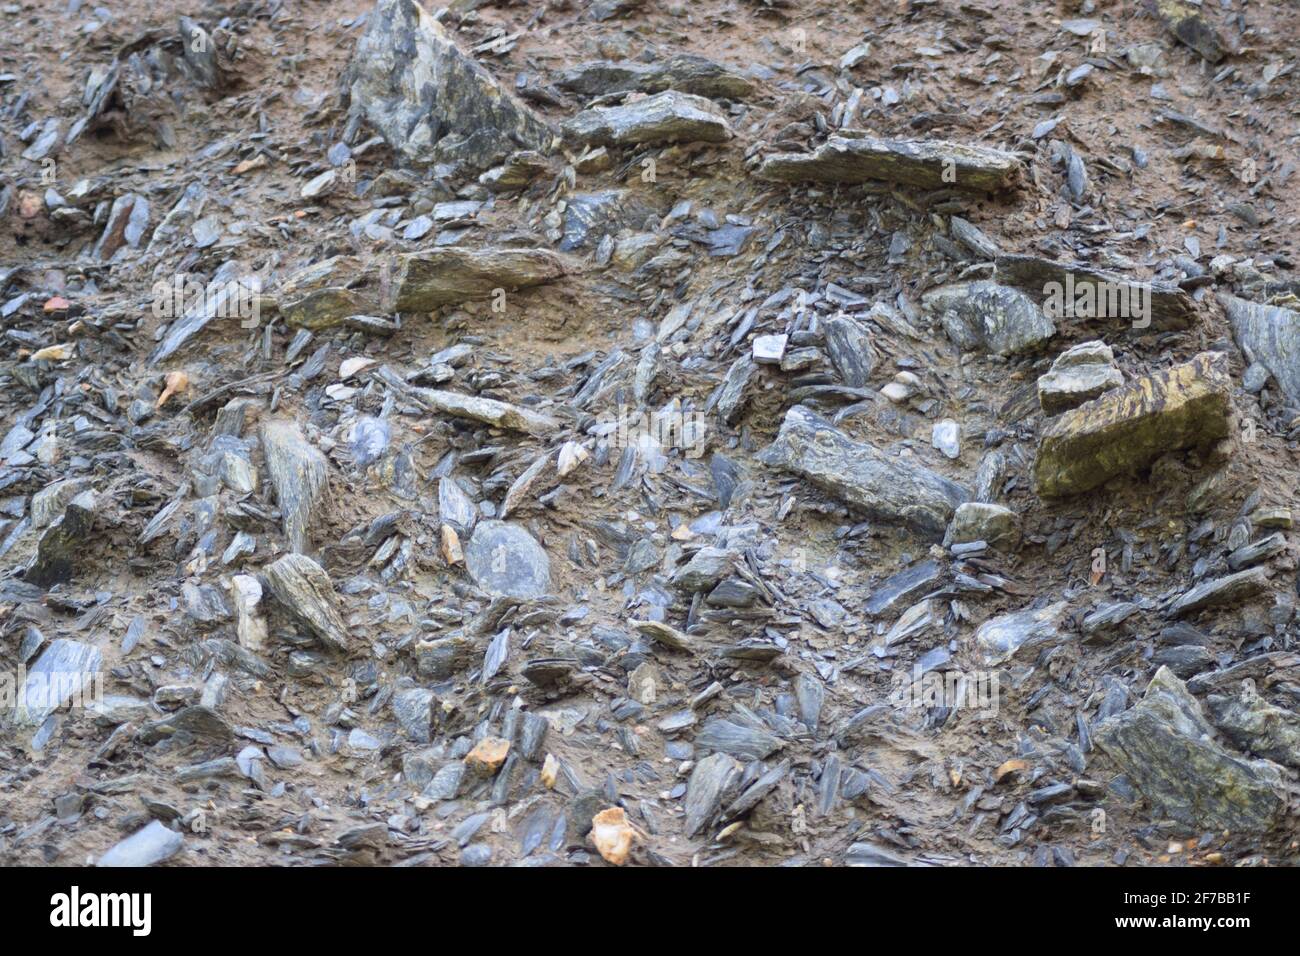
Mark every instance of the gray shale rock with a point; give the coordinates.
(430, 101)
(305, 591)
(665, 117)
(927, 164)
(881, 487)
(1168, 749)
(152, 844)
(1078, 375)
(298, 472)
(1170, 307)
(432, 278)
(684, 72)
(503, 558)
(66, 669)
(1256, 726)
(985, 315)
(1269, 335)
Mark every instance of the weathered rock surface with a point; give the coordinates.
(1078, 375)
(305, 591)
(430, 101)
(1170, 752)
(1269, 335)
(1230, 589)
(432, 278)
(927, 164)
(66, 669)
(985, 315)
(1129, 427)
(684, 72)
(863, 476)
(64, 542)
(151, 844)
(665, 117)
(1254, 725)
(299, 474)
(1190, 25)
(503, 558)
(1001, 638)
(979, 521)
(1113, 298)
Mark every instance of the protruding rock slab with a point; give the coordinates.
(432, 278)
(986, 315)
(1000, 638)
(1270, 335)
(1189, 24)
(881, 487)
(1086, 293)
(503, 558)
(665, 117)
(1169, 751)
(712, 781)
(1230, 589)
(1078, 375)
(979, 521)
(63, 542)
(299, 473)
(685, 72)
(305, 591)
(927, 164)
(1129, 427)
(431, 102)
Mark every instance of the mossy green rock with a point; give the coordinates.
(1170, 752)
(1127, 428)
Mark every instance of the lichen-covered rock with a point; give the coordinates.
(1256, 726)
(1078, 375)
(1170, 753)
(1269, 335)
(430, 101)
(985, 315)
(927, 164)
(979, 521)
(665, 117)
(862, 476)
(1129, 427)
(432, 278)
(1189, 24)
(64, 542)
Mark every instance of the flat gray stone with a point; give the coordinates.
(503, 558)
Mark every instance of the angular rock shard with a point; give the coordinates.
(299, 473)
(67, 670)
(432, 278)
(665, 117)
(1078, 375)
(859, 474)
(1170, 752)
(1269, 335)
(926, 164)
(1129, 427)
(305, 591)
(1189, 24)
(985, 315)
(430, 101)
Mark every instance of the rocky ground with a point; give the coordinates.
(649, 432)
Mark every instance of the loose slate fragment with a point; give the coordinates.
(1169, 751)
(299, 474)
(1230, 589)
(152, 844)
(927, 164)
(989, 316)
(505, 559)
(63, 542)
(1129, 427)
(1078, 375)
(1001, 638)
(738, 740)
(432, 278)
(859, 474)
(305, 591)
(66, 670)
(712, 781)
(431, 102)
(665, 117)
